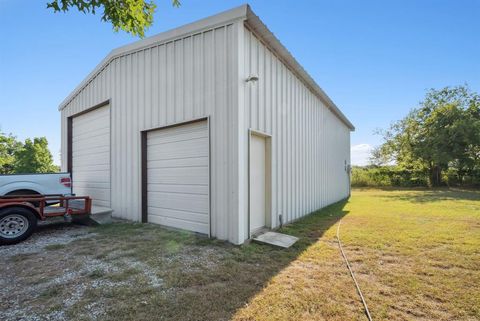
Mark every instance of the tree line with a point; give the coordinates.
(30, 156)
(437, 143)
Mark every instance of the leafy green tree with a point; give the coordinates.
(132, 16)
(442, 133)
(9, 146)
(34, 157)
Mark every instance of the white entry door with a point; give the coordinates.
(257, 183)
(178, 177)
(91, 155)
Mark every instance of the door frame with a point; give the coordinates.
(144, 169)
(268, 178)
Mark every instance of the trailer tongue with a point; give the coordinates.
(19, 213)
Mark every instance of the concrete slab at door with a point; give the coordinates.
(178, 176)
(257, 183)
(91, 155)
(277, 239)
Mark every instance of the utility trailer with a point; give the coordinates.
(19, 214)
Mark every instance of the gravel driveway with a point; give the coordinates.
(73, 272)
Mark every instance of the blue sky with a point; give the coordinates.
(375, 59)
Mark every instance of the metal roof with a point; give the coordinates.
(252, 22)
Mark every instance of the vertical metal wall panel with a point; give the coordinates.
(239, 170)
(178, 80)
(309, 143)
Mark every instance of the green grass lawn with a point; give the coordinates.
(416, 255)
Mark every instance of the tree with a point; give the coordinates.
(9, 146)
(34, 157)
(132, 16)
(443, 132)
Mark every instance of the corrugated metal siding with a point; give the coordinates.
(309, 143)
(203, 74)
(168, 83)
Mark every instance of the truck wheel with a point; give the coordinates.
(16, 224)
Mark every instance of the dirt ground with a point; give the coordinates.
(34, 282)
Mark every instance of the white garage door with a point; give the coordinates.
(178, 177)
(91, 155)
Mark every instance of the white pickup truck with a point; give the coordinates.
(31, 184)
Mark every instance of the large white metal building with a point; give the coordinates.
(212, 127)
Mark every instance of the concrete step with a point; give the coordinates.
(101, 215)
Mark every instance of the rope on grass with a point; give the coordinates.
(367, 312)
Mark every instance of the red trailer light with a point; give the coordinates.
(66, 181)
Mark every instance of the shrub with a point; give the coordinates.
(383, 176)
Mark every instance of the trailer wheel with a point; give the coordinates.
(16, 224)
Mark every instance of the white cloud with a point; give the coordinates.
(360, 154)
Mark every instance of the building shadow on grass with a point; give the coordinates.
(219, 292)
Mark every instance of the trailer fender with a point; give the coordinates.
(27, 206)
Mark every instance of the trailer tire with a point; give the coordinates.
(16, 224)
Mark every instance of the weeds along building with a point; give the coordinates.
(212, 127)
